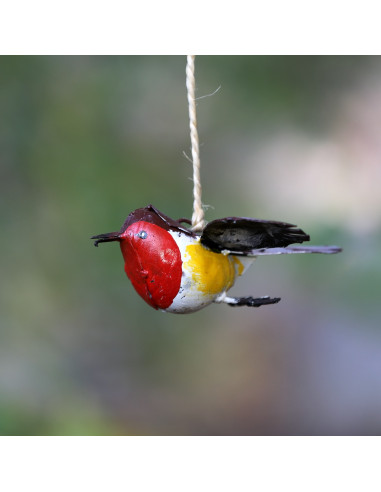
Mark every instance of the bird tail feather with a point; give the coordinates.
(328, 250)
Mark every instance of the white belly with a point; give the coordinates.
(206, 275)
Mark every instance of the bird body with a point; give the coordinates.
(205, 274)
(176, 270)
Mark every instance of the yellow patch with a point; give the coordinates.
(212, 272)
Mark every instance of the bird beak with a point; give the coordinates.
(104, 238)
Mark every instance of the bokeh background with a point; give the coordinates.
(86, 140)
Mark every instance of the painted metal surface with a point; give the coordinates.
(152, 262)
(176, 270)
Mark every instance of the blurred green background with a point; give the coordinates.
(86, 140)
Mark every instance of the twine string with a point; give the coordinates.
(198, 222)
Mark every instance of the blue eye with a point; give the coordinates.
(142, 234)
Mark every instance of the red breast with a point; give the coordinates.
(152, 263)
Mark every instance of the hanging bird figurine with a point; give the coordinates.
(179, 271)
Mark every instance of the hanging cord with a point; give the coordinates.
(198, 222)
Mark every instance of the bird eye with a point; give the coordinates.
(142, 234)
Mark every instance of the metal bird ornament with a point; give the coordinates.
(179, 271)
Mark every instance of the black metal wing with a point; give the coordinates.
(243, 235)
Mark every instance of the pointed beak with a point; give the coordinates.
(105, 238)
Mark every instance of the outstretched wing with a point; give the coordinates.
(255, 237)
(242, 235)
